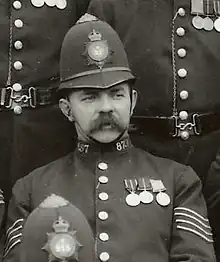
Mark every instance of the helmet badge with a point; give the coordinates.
(62, 244)
(97, 50)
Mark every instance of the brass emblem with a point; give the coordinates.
(97, 50)
(62, 244)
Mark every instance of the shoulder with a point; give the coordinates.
(45, 173)
(165, 168)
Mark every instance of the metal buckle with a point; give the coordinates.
(30, 99)
(183, 130)
(4, 95)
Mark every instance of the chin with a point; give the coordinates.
(106, 137)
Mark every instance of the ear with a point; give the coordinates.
(134, 100)
(65, 107)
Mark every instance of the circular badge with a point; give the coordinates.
(37, 3)
(61, 4)
(98, 51)
(50, 2)
(208, 24)
(132, 200)
(217, 24)
(146, 197)
(197, 22)
(163, 199)
(62, 246)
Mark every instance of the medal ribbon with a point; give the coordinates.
(157, 185)
(217, 7)
(197, 7)
(208, 7)
(130, 185)
(144, 184)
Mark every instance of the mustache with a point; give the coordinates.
(106, 119)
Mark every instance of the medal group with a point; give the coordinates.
(207, 14)
(61, 4)
(142, 190)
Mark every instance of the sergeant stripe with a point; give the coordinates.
(191, 211)
(192, 217)
(14, 230)
(193, 224)
(9, 249)
(196, 233)
(15, 223)
(12, 238)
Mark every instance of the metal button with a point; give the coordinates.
(18, 65)
(103, 196)
(182, 72)
(180, 31)
(18, 45)
(18, 23)
(103, 179)
(103, 215)
(102, 166)
(181, 11)
(181, 52)
(104, 237)
(17, 110)
(17, 5)
(183, 115)
(104, 256)
(184, 95)
(17, 87)
(184, 135)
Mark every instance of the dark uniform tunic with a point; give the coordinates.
(30, 42)
(177, 69)
(92, 179)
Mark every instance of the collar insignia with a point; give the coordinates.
(62, 244)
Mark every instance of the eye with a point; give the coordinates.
(118, 94)
(89, 98)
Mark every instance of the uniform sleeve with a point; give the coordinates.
(192, 235)
(212, 196)
(2, 206)
(102, 10)
(17, 213)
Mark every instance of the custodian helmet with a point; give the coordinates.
(93, 56)
(57, 231)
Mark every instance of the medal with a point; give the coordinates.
(198, 22)
(208, 24)
(144, 184)
(146, 197)
(61, 4)
(217, 24)
(217, 12)
(132, 199)
(163, 199)
(37, 3)
(50, 2)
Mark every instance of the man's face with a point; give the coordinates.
(101, 114)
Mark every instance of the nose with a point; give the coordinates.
(106, 103)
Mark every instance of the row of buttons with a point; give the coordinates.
(18, 45)
(103, 215)
(182, 72)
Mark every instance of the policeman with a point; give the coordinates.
(32, 128)
(58, 230)
(140, 207)
(173, 48)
